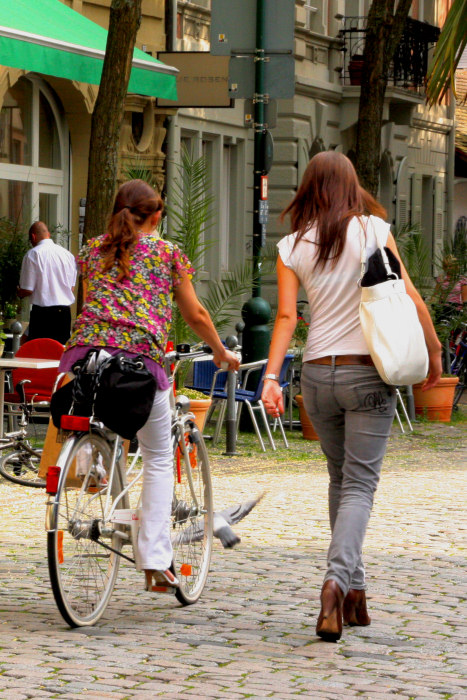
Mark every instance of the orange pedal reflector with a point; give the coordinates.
(185, 569)
(159, 589)
(60, 546)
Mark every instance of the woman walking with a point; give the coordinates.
(130, 278)
(351, 408)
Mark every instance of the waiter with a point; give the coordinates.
(48, 276)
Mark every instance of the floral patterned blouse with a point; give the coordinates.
(134, 314)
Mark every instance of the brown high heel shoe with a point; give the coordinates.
(329, 625)
(354, 610)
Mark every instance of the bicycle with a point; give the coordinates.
(19, 457)
(90, 518)
(459, 364)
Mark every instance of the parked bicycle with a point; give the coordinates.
(459, 363)
(93, 511)
(20, 453)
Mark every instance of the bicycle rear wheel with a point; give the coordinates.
(192, 513)
(22, 467)
(462, 374)
(82, 571)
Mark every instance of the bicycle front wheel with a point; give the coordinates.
(192, 512)
(83, 570)
(22, 467)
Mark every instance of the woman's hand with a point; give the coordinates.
(272, 398)
(226, 357)
(435, 369)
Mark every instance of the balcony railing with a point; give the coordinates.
(409, 65)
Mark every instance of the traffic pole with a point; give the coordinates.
(256, 312)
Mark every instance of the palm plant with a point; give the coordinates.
(414, 254)
(451, 44)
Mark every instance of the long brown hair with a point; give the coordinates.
(328, 197)
(135, 201)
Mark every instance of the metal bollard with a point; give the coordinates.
(231, 418)
(17, 330)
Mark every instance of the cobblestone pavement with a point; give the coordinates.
(252, 633)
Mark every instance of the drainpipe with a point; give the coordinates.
(450, 165)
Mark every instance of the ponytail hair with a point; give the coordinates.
(134, 203)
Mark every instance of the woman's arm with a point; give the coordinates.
(200, 321)
(284, 326)
(431, 339)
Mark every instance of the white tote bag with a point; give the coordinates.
(391, 327)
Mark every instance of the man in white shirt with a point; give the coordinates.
(48, 276)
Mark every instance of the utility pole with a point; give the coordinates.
(256, 312)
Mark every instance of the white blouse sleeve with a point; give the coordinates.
(285, 247)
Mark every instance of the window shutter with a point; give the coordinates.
(416, 203)
(438, 224)
(402, 194)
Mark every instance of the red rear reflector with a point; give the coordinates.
(51, 480)
(60, 546)
(80, 423)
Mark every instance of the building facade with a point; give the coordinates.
(45, 129)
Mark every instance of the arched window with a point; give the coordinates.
(34, 155)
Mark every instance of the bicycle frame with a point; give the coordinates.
(112, 514)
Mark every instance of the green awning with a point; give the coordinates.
(46, 36)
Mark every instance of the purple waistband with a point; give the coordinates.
(78, 352)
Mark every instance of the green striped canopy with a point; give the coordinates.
(48, 37)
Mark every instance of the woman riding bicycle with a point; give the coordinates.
(130, 279)
(351, 408)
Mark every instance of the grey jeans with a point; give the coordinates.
(352, 411)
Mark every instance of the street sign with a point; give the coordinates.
(279, 76)
(202, 80)
(264, 187)
(267, 151)
(233, 26)
(263, 211)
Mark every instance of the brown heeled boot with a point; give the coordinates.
(354, 609)
(329, 625)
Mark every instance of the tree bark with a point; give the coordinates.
(125, 19)
(384, 32)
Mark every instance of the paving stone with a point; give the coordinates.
(252, 634)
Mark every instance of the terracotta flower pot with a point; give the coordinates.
(436, 403)
(200, 408)
(308, 431)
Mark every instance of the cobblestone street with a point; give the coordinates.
(252, 633)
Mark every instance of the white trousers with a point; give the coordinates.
(154, 545)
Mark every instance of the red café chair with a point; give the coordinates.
(39, 383)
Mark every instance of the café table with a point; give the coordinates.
(19, 363)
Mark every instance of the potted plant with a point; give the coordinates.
(199, 404)
(298, 345)
(436, 403)
(13, 247)
(2, 342)
(355, 69)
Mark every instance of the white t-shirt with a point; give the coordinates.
(333, 293)
(49, 271)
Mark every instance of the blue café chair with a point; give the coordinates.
(251, 398)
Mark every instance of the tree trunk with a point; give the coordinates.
(384, 32)
(125, 18)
